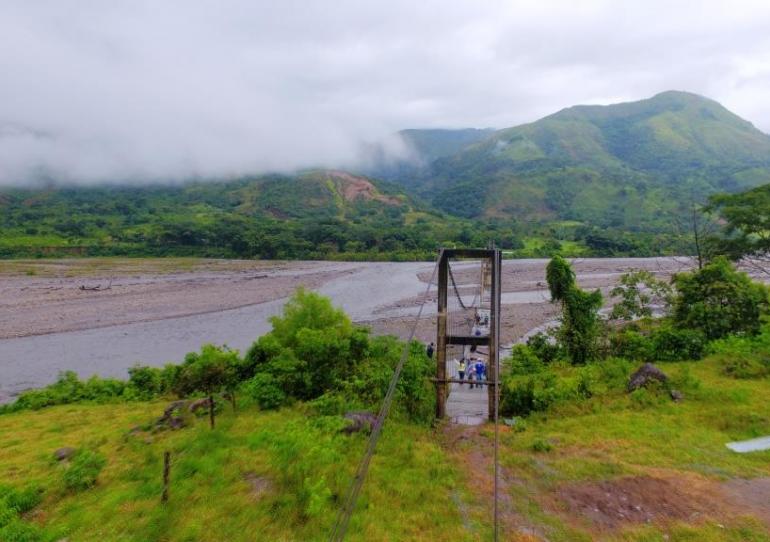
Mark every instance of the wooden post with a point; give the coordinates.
(211, 411)
(443, 275)
(166, 475)
(494, 331)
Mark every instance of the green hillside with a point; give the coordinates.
(625, 166)
(316, 214)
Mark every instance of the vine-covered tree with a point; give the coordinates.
(580, 318)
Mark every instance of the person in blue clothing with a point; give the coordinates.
(479, 371)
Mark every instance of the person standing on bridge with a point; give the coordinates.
(479, 367)
(461, 370)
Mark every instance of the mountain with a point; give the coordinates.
(624, 165)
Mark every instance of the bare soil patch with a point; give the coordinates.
(259, 486)
(752, 496)
(638, 499)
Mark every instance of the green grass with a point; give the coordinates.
(306, 461)
(420, 487)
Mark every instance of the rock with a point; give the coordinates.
(360, 421)
(64, 453)
(172, 416)
(677, 396)
(646, 374)
(198, 404)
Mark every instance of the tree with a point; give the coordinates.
(718, 300)
(560, 278)
(639, 291)
(211, 371)
(695, 225)
(308, 310)
(580, 318)
(746, 233)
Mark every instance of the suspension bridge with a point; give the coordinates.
(468, 283)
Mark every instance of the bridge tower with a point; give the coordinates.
(475, 335)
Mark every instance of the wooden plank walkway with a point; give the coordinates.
(465, 405)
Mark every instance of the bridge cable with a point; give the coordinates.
(343, 518)
(457, 292)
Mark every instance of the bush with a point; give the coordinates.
(745, 366)
(21, 500)
(83, 470)
(146, 380)
(523, 396)
(545, 347)
(265, 391)
(669, 344)
(629, 343)
(20, 531)
(523, 361)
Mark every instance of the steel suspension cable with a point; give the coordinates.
(457, 292)
(343, 518)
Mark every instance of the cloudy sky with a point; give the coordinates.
(148, 90)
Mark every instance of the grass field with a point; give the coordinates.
(281, 475)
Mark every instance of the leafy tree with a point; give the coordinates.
(639, 290)
(747, 226)
(307, 310)
(718, 300)
(212, 370)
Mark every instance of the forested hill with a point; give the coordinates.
(315, 214)
(628, 166)
(588, 180)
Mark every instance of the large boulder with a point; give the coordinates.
(646, 374)
(360, 421)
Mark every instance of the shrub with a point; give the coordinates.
(745, 366)
(545, 347)
(21, 500)
(631, 344)
(146, 380)
(520, 396)
(523, 361)
(265, 391)
(541, 445)
(20, 531)
(83, 470)
(669, 344)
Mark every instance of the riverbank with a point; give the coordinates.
(100, 316)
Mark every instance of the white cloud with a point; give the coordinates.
(113, 91)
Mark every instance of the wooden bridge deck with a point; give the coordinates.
(467, 406)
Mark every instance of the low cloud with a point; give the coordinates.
(165, 91)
